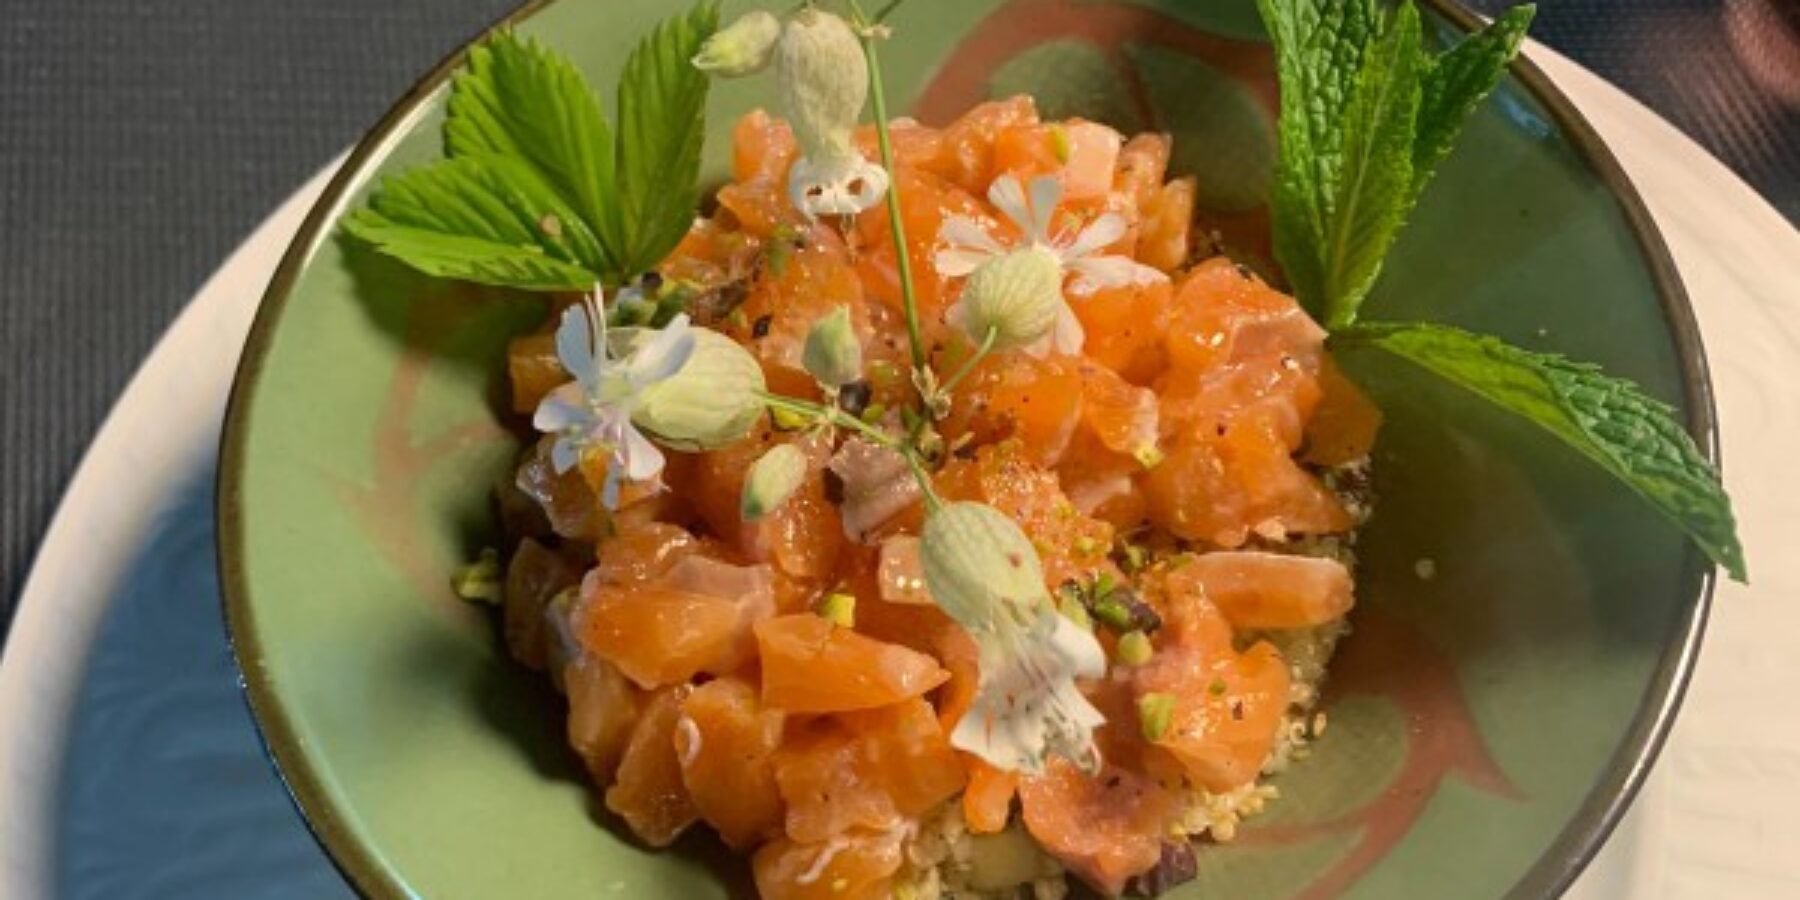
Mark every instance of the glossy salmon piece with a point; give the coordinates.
(1015, 395)
(658, 636)
(1344, 425)
(801, 538)
(1122, 416)
(875, 769)
(1164, 239)
(644, 553)
(726, 741)
(966, 149)
(533, 370)
(1102, 483)
(1106, 828)
(780, 311)
(1142, 165)
(1220, 491)
(1270, 590)
(810, 665)
(1223, 313)
(762, 148)
(987, 801)
(1125, 327)
(534, 576)
(852, 866)
(1228, 710)
(603, 709)
(927, 200)
(1080, 154)
(1070, 545)
(649, 794)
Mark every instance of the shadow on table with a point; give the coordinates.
(165, 791)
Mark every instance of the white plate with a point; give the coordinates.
(128, 766)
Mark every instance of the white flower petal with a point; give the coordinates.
(641, 460)
(659, 354)
(1101, 232)
(563, 409)
(958, 263)
(835, 186)
(1096, 272)
(1046, 193)
(576, 346)
(1067, 336)
(1008, 196)
(565, 452)
(964, 233)
(1027, 706)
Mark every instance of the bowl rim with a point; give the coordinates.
(1550, 876)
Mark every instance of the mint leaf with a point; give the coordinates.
(481, 218)
(1374, 190)
(1458, 81)
(662, 126)
(1319, 50)
(1366, 115)
(521, 101)
(1608, 420)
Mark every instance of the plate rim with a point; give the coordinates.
(1555, 869)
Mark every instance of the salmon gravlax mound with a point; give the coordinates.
(788, 683)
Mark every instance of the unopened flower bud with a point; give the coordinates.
(1016, 295)
(833, 354)
(744, 47)
(772, 479)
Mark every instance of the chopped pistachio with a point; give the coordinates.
(873, 412)
(1216, 688)
(479, 581)
(1060, 144)
(788, 419)
(1155, 712)
(883, 373)
(839, 609)
(1135, 557)
(1113, 614)
(1134, 648)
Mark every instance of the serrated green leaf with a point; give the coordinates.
(662, 127)
(1319, 50)
(1608, 420)
(1458, 81)
(1374, 191)
(520, 100)
(480, 218)
(1366, 114)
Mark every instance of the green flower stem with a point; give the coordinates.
(866, 29)
(981, 352)
(833, 416)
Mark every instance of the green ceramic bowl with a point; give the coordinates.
(1488, 725)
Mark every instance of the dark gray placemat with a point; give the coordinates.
(140, 140)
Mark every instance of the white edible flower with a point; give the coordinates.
(967, 245)
(823, 80)
(593, 412)
(981, 570)
(742, 48)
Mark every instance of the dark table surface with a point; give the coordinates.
(141, 140)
